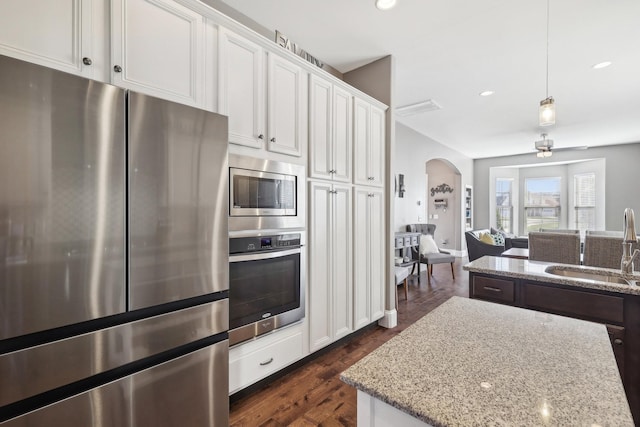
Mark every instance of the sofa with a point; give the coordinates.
(477, 248)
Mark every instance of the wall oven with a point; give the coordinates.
(265, 194)
(266, 283)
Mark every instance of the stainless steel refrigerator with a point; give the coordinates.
(113, 255)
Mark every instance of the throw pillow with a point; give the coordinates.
(486, 238)
(428, 245)
(498, 239)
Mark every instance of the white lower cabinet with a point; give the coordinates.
(368, 256)
(330, 277)
(252, 361)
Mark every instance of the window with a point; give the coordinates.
(542, 203)
(584, 191)
(504, 205)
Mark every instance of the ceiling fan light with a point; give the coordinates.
(547, 114)
(385, 4)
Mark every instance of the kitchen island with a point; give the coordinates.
(471, 362)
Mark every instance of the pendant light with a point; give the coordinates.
(547, 113)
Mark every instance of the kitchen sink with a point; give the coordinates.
(585, 274)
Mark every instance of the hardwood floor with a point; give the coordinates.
(313, 395)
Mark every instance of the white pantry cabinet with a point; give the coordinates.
(369, 143)
(158, 48)
(241, 96)
(56, 34)
(330, 131)
(330, 277)
(368, 256)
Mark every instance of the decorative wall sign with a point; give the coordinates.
(282, 40)
(442, 188)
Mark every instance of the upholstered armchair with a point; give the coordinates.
(443, 257)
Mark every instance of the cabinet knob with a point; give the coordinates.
(332, 171)
(618, 341)
(370, 178)
(273, 139)
(87, 61)
(261, 136)
(117, 68)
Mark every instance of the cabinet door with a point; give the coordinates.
(341, 256)
(241, 88)
(320, 256)
(320, 124)
(368, 256)
(286, 95)
(376, 269)
(342, 135)
(361, 129)
(361, 238)
(158, 49)
(56, 34)
(376, 147)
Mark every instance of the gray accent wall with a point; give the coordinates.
(621, 186)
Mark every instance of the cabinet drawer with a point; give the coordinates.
(407, 241)
(414, 240)
(583, 305)
(399, 242)
(249, 368)
(493, 289)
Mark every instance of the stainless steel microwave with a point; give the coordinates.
(265, 194)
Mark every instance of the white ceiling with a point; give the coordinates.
(451, 50)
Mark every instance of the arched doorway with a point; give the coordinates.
(444, 203)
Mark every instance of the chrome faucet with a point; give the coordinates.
(626, 263)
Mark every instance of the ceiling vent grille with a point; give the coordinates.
(418, 108)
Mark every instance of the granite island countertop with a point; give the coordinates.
(535, 270)
(471, 362)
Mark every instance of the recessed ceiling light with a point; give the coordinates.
(385, 4)
(601, 65)
(486, 93)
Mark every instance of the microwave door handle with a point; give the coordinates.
(278, 193)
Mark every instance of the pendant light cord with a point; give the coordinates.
(547, 81)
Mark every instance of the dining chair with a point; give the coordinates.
(603, 251)
(554, 247)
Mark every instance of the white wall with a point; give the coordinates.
(413, 150)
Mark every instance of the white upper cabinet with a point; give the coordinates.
(56, 34)
(369, 137)
(241, 96)
(241, 88)
(158, 48)
(330, 135)
(286, 96)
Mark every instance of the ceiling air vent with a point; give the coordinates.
(418, 108)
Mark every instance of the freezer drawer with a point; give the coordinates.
(35, 370)
(191, 390)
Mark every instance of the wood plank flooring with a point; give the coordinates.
(313, 395)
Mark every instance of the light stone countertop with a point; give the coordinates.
(477, 363)
(535, 270)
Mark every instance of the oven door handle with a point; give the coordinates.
(263, 255)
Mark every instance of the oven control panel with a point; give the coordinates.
(238, 245)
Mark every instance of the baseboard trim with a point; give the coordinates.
(389, 320)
